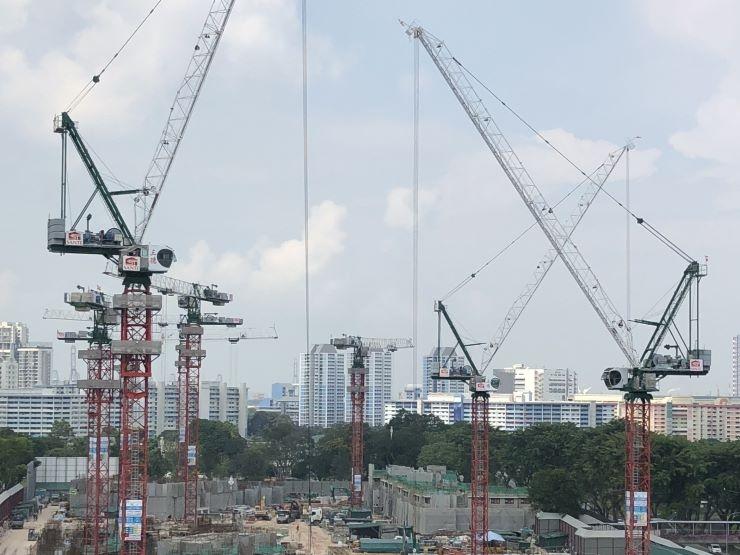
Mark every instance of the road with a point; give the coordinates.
(15, 542)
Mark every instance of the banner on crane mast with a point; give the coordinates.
(132, 526)
(358, 482)
(639, 516)
(191, 455)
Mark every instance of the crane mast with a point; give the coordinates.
(520, 178)
(180, 112)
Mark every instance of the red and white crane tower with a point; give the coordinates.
(641, 377)
(136, 262)
(361, 347)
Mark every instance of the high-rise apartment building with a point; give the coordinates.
(325, 372)
(8, 373)
(323, 385)
(379, 364)
(735, 367)
(12, 336)
(431, 363)
(33, 410)
(538, 384)
(34, 364)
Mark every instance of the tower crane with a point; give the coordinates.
(190, 355)
(101, 390)
(136, 263)
(361, 347)
(479, 457)
(640, 378)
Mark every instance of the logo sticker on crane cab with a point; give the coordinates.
(696, 365)
(131, 264)
(73, 239)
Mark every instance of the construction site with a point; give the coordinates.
(110, 504)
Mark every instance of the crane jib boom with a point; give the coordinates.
(68, 126)
(180, 112)
(693, 271)
(543, 213)
(593, 187)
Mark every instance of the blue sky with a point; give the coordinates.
(589, 75)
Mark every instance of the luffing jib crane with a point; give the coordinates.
(361, 347)
(642, 375)
(136, 262)
(479, 459)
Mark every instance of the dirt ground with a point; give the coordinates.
(314, 536)
(15, 542)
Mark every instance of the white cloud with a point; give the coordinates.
(271, 267)
(266, 34)
(710, 25)
(547, 167)
(14, 15)
(717, 131)
(399, 209)
(262, 38)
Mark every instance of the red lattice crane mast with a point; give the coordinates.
(479, 452)
(361, 347)
(641, 377)
(101, 392)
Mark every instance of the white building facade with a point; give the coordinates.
(323, 385)
(540, 384)
(695, 418)
(33, 410)
(735, 367)
(12, 336)
(431, 363)
(34, 365)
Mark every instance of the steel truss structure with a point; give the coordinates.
(100, 398)
(357, 390)
(637, 477)
(135, 350)
(190, 357)
(479, 465)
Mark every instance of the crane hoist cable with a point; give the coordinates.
(95, 79)
(641, 221)
(511, 243)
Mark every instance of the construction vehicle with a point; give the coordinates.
(361, 347)
(641, 377)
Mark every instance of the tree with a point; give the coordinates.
(555, 490)
(449, 446)
(219, 443)
(16, 451)
(408, 432)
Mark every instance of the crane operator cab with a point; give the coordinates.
(152, 259)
